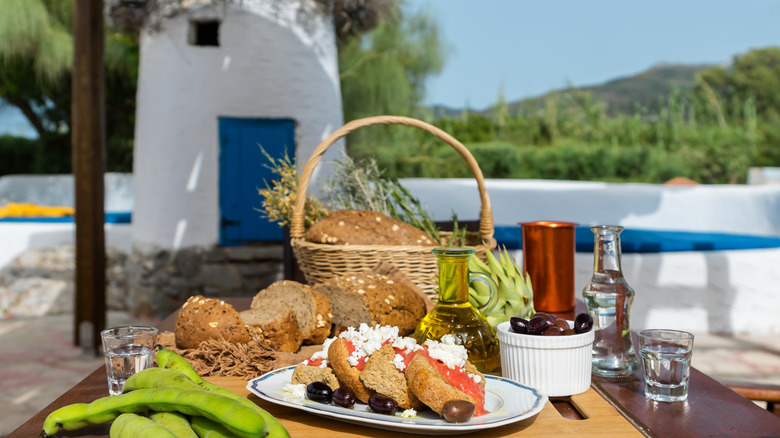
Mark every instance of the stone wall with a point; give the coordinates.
(159, 280)
(40, 282)
(144, 283)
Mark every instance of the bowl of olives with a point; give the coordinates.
(549, 354)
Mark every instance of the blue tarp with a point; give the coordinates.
(111, 218)
(638, 240)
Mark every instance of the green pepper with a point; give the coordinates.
(170, 359)
(136, 426)
(239, 419)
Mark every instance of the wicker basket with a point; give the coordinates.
(319, 261)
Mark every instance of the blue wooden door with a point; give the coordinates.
(242, 171)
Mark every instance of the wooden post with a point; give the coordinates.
(88, 147)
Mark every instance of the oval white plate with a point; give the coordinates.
(506, 401)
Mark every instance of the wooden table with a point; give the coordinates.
(609, 408)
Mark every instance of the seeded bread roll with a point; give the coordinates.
(431, 387)
(363, 227)
(348, 376)
(311, 308)
(202, 318)
(278, 325)
(372, 299)
(382, 376)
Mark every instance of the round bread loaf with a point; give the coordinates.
(364, 227)
(208, 318)
(311, 308)
(372, 299)
(277, 324)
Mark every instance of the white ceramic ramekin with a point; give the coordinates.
(556, 366)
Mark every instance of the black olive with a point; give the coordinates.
(458, 411)
(583, 323)
(344, 397)
(537, 325)
(561, 323)
(319, 392)
(382, 404)
(552, 331)
(519, 325)
(550, 318)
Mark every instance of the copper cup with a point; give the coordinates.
(548, 258)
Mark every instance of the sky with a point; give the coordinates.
(532, 47)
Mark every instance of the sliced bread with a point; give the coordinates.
(311, 308)
(381, 375)
(372, 299)
(277, 324)
(308, 374)
(434, 389)
(348, 376)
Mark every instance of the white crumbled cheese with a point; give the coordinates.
(447, 351)
(409, 413)
(323, 354)
(407, 344)
(297, 390)
(325, 364)
(398, 361)
(367, 340)
(475, 377)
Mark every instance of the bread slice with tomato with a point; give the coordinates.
(435, 380)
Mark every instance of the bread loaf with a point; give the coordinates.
(202, 318)
(363, 227)
(277, 324)
(372, 299)
(311, 308)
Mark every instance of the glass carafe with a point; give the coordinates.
(608, 298)
(453, 314)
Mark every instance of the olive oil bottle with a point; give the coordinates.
(453, 313)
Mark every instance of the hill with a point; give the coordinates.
(620, 95)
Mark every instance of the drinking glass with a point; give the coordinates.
(127, 350)
(666, 363)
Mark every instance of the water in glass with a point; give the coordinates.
(666, 372)
(124, 361)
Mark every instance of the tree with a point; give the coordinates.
(383, 72)
(36, 58)
(754, 75)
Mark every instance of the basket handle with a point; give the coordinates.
(297, 229)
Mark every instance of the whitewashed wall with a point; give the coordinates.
(732, 291)
(275, 59)
(724, 208)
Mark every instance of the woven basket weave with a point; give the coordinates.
(319, 261)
